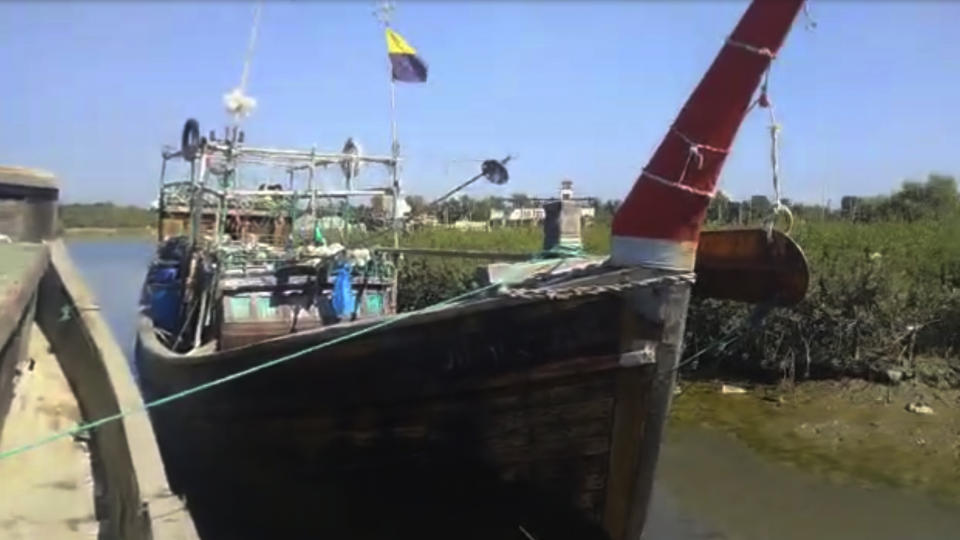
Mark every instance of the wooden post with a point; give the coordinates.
(644, 390)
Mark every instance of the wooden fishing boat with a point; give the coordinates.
(298, 403)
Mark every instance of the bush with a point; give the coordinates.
(881, 294)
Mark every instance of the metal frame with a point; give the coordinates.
(227, 156)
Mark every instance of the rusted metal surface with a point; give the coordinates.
(749, 266)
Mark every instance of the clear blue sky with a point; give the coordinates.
(576, 89)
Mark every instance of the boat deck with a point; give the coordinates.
(48, 491)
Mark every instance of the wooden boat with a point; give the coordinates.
(532, 408)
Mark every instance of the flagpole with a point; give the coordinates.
(383, 13)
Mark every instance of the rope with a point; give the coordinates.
(762, 51)
(82, 428)
(237, 102)
(678, 185)
(217, 382)
(694, 153)
(752, 322)
(763, 101)
(245, 75)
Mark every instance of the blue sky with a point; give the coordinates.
(574, 89)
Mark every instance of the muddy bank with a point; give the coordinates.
(850, 431)
(710, 486)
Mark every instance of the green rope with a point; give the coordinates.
(216, 382)
(563, 251)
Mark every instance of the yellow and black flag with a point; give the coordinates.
(407, 66)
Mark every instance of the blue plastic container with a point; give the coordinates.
(163, 274)
(343, 297)
(165, 305)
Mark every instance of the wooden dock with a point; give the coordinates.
(60, 366)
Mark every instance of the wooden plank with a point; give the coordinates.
(627, 435)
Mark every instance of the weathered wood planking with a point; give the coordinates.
(560, 444)
(500, 414)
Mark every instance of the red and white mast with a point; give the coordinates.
(658, 224)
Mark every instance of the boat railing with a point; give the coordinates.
(293, 159)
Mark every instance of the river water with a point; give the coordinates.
(709, 485)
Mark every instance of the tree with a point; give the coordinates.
(719, 207)
(520, 200)
(418, 205)
(760, 207)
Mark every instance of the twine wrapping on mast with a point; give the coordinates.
(658, 224)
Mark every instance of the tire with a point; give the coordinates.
(190, 139)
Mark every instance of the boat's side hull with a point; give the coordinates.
(471, 426)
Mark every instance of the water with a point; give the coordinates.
(114, 269)
(709, 485)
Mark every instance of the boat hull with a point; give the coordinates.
(537, 416)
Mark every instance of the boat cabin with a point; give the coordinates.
(245, 257)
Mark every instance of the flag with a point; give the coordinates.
(407, 67)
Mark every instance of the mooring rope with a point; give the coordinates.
(81, 428)
(87, 426)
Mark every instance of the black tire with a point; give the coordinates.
(190, 139)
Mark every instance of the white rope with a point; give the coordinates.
(250, 47)
(695, 149)
(762, 51)
(238, 104)
(778, 207)
(677, 185)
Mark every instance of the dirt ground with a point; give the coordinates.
(849, 430)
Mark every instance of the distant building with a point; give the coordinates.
(534, 215)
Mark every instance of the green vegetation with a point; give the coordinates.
(885, 285)
(882, 292)
(105, 215)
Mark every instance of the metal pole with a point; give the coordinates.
(395, 152)
(383, 14)
(160, 205)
